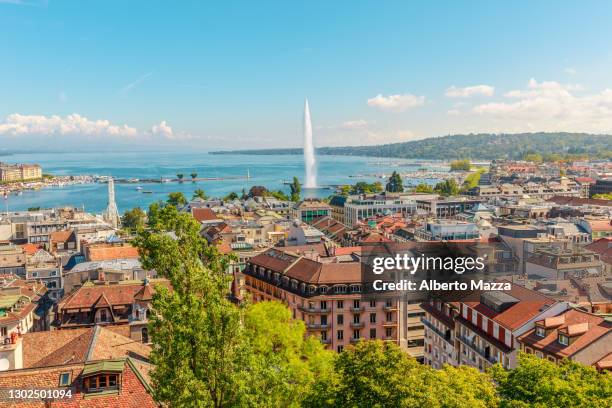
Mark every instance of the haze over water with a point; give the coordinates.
(269, 171)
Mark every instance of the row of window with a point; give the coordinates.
(340, 304)
(357, 334)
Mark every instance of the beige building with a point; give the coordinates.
(19, 172)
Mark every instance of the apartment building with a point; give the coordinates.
(329, 297)
(483, 332)
(447, 231)
(552, 262)
(448, 207)
(563, 187)
(23, 307)
(19, 172)
(308, 210)
(103, 303)
(359, 208)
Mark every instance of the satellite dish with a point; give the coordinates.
(4, 364)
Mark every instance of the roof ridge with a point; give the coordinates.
(92, 343)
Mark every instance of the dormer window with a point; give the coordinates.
(563, 339)
(540, 332)
(99, 383)
(102, 376)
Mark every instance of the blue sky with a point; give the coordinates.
(235, 74)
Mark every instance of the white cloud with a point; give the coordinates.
(453, 112)
(551, 106)
(396, 103)
(163, 129)
(469, 91)
(76, 125)
(570, 71)
(359, 124)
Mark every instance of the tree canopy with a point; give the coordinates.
(539, 383)
(133, 219)
(176, 199)
(395, 183)
(296, 189)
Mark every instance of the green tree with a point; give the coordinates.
(199, 354)
(345, 191)
(395, 183)
(362, 187)
(539, 383)
(378, 374)
(199, 193)
(447, 188)
(423, 188)
(460, 165)
(472, 179)
(296, 189)
(533, 157)
(133, 219)
(284, 363)
(231, 197)
(209, 352)
(176, 199)
(279, 195)
(180, 177)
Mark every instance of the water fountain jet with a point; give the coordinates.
(310, 162)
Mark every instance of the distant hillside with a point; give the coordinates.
(472, 146)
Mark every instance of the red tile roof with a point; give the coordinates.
(584, 327)
(204, 214)
(530, 304)
(89, 295)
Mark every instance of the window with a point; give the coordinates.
(324, 320)
(540, 332)
(372, 303)
(355, 304)
(340, 348)
(3, 331)
(388, 332)
(323, 335)
(340, 334)
(100, 382)
(323, 305)
(389, 316)
(356, 318)
(388, 303)
(372, 333)
(64, 379)
(563, 339)
(355, 334)
(340, 319)
(372, 317)
(340, 304)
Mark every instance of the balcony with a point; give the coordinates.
(357, 309)
(389, 308)
(389, 323)
(326, 341)
(307, 309)
(481, 352)
(439, 332)
(357, 325)
(355, 339)
(389, 338)
(317, 326)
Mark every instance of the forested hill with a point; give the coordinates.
(473, 146)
